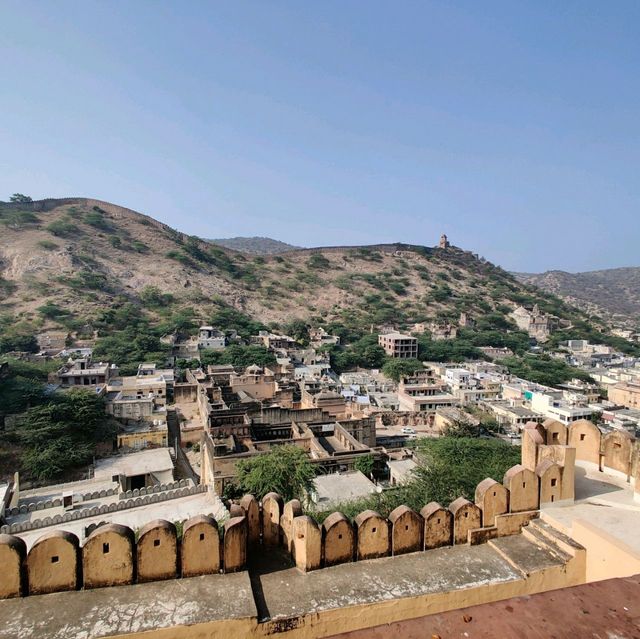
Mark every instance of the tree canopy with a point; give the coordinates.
(19, 197)
(285, 470)
(62, 434)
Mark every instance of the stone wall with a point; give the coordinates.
(130, 499)
(112, 556)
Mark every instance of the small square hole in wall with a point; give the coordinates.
(554, 482)
(582, 436)
(55, 559)
(438, 521)
(339, 536)
(373, 530)
(406, 527)
(466, 514)
(156, 543)
(201, 536)
(105, 549)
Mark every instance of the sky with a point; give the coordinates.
(514, 127)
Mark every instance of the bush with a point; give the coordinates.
(62, 228)
(48, 245)
(96, 218)
(319, 261)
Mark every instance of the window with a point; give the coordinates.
(55, 559)
(554, 482)
(201, 536)
(105, 549)
(156, 543)
(373, 530)
(582, 436)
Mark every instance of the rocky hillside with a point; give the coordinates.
(255, 245)
(79, 262)
(612, 293)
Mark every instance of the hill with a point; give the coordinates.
(94, 268)
(612, 293)
(255, 245)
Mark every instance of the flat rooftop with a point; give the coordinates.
(604, 500)
(154, 460)
(335, 488)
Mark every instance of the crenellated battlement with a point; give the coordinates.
(116, 555)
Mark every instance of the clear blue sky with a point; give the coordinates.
(512, 126)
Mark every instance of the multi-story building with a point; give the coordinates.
(209, 337)
(84, 372)
(399, 345)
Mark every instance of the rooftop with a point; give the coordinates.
(336, 488)
(146, 461)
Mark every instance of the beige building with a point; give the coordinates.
(399, 345)
(625, 393)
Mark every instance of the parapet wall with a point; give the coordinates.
(552, 440)
(130, 499)
(115, 555)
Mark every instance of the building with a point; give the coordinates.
(399, 345)
(625, 393)
(423, 394)
(401, 470)
(209, 337)
(84, 372)
(537, 324)
(444, 242)
(551, 407)
(329, 491)
(513, 416)
(319, 337)
(144, 434)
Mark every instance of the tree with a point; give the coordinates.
(284, 469)
(19, 197)
(365, 464)
(395, 369)
(62, 434)
(238, 355)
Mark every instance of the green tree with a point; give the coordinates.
(398, 368)
(238, 355)
(284, 469)
(62, 434)
(365, 464)
(19, 197)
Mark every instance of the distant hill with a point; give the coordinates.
(613, 293)
(255, 245)
(83, 264)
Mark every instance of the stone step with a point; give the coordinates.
(564, 542)
(525, 555)
(534, 535)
